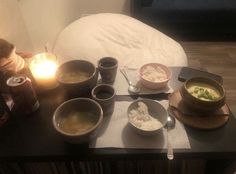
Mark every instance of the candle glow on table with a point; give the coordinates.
(43, 67)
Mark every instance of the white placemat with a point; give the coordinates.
(115, 132)
(121, 85)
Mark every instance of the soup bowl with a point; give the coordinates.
(78, 120)
(210, 98)
(77, 77)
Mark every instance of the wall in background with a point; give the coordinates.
(12, 26)
(45, 19)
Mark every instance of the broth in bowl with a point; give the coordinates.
(78, 122)
(203, 91)
(203, 94)
(74, 76)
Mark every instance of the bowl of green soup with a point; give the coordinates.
(77, 77)
(78, 120)
(203, 94)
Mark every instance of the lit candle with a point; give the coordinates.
(43, 67)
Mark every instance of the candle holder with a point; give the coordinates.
(43, 67)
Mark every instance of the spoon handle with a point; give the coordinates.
(125, 75)
(170, 154)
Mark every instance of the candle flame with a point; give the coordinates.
(43, 67)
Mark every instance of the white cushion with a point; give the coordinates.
(132, 42)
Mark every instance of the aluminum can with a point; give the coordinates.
(23, 94)
(4, 111)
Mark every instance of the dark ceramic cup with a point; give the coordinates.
(105, 95)
(107, 67)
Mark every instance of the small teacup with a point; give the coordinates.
(107, 67)
(105, 95)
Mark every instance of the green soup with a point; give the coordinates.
(203, 91)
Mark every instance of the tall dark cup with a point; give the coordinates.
(105, 95)
(107, 67)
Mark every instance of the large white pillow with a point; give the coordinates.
(132, 42)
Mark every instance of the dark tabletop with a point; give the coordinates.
(33, 137)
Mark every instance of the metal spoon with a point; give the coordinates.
(170, 119)
(132, 88)
(170, 125)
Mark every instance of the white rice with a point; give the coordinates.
(154, 74)
(142, 119)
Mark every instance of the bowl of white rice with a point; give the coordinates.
(146, 116)
(154, 75)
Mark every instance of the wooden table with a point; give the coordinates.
(34, 138)
(29, 139)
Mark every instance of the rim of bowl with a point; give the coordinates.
(166, 69)
(98, 99)
(214, 81)
(71, 83)
(151, 115)
(55, 124)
